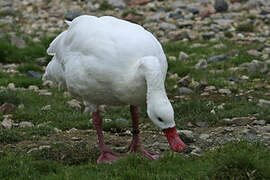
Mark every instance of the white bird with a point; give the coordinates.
(110, 61)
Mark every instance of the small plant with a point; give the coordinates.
(246, 27)
(105, 6)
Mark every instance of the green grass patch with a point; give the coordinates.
(246, 27)
(237, 160)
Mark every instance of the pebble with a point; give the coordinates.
(217, 58)
(263, 102)
(185, 90)
(182, 56)
(46, 108)
(70, 15)
(202, 124)
(25, 124)
(202, 64)
(74, 104)
(7, 122)
(259, 122)
(221, 5)
(7, 108)
(225, 91)
(33, 74)
(204, 136)
(11, 86)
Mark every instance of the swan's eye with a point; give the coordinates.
(160, 119)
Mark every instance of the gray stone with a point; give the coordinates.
(33, 74)
(193, 9)
(7, 122)
(70, 15)
(267, 128)
(259, 122)
(7, 108)
(217, 58)
(204, 136)
(117, 3)
(167, 26)
(263, 102)
(184, 81)
(184, 90)
(221, 5)
(182, 56)
(187, 136)
(241, 121)
(225, 91)
(18, 42)
(26, 124)
(74, 104)
(202, 124)
(209, 35)
(178, 4)
(202, 64)
(253, 52)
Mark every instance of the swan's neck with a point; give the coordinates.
(154, 79)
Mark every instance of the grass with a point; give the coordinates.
(238, 160)
(65, 159)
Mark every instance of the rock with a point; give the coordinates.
(75, 139)
(18, 42)
(44, 92)
(33, 74)
(202, 64)
(209, 88)
(57, 130)
(259, 122)
(225, 91)
(265, 103)
(241, 121)
(187, 136)
(221, 5)
(206, 12)
(25, 124)
(33, 87)
(209, 35)
(182, 56)
(178, 4)
(48, 83)
(7, 122)
(253, 52)
(167, 26)
(255, 66)
(204, 136)
(44, 147)
(70, 15)
(136, 2)
(74, 104)
(202, 124)
(11, 86)
(217, 58)
(117, 3)
(184, 81)
(220, 46)
(267, 128)
(46, 108)
(193, 9)
(184, 90)
(21, 106)
(7, 108)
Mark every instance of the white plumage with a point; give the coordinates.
(114, 62)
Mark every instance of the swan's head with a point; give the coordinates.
(160, 111)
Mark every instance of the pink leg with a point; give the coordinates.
(106, 155)
(136, 144)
